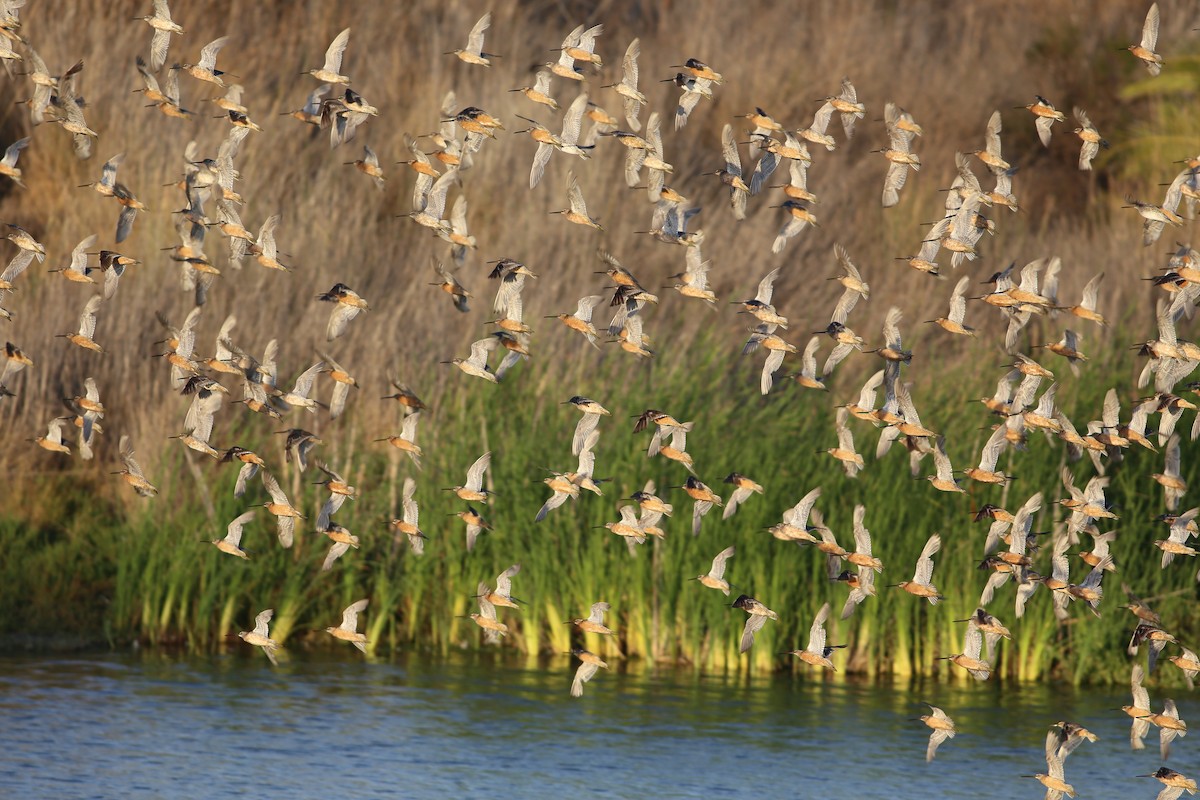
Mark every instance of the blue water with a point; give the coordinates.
(326, 725)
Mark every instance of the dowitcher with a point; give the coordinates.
(590, 664)
(206, 68)
(330, 71)
(493, 629)
(473, 52)
(594, 623)
(1144, 50)
(348, 630)
(632, 99)
(232, 542)
(163, 27)
(921, 584)
(261, 637)
(282, 508)
(943, 729)
(407, 524)
(540, 91)
(758, 616)
(8, 165)
(472, 489)
(816, 652)
(132, 472)
(407, 440)
(715, 578)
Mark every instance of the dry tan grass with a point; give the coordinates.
(950, 65)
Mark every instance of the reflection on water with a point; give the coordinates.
(152, 725)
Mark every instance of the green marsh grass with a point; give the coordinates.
(170, 586)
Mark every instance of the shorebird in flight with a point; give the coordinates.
(261, 637)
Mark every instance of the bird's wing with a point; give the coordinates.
(634, 157)
(554, 501)
(304, 383)
(266, 237)
(504, 580)
(458, 221)
(575, 195)
(540, 158)
(1043, 128)
(972, 640)
(435, 205)
(821, 118)
(233, 531)
(1150, 28)
(767, 162)
(862, 537)
(14, 150)
(1088, 151)
(770, 366)
(891, 328)
(108, 173)
(208, 55)
(475, 37)
(791, 228)
(583, 674)
(798, 514)
(845, 439)
(893, 182)
(845, 305)
(924, 569)
(261, 622)
(79, 255)
(816, 633)
(572, 40)
(587, 39)
(335, 52)
(687, 103)
(808, 359)
(766, 287)
(411, 512)
(1141, 697)
(629, 66)
(993, 134)
(126, 450)
(125, 223)
(1091, 292)
(718, 564)
(87, 320)
(941, 461)
(992, 449)
(273, 488)
(583, 311)
(733, 162)
(754, 623)
(339, 318)
(573, 119)
(935, 739)
(475, 473)
(19, 263)
(350, 615)
(336, 551)
(583, 429)
(1171, 466)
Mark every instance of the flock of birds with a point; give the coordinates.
(211, 200)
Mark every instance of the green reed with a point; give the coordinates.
(161, 582)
